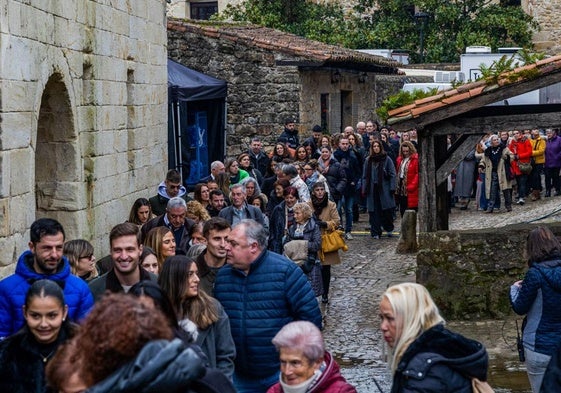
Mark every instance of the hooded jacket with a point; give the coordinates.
(13, 289)
(440, 360)
(539, 297)
(165, 366)
(330, 381)
(159, 202)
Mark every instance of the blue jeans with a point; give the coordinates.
(536, 363)
(254, 385)
(345, 206)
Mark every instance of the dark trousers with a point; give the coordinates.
(552, 179)
(535, 177)
(522, 185)
(495, 193)
(326, 279)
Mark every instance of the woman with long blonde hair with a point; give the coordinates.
(425, 356)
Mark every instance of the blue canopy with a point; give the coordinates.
(191, 85)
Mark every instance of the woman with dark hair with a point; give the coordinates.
(80, 254)
(162, 241)
(151, 294)
(23, 356)
(244, 162)
(538, 296)
(313, 176)
(260, 201)
(179, 279)
(333, 172)
(301, 155)
(223, 182)
(327, 218)
(233, 169)
(201, 194)
(378, 187)
(280, 152)
(276, 195)
(141, 212)
(149, 260)
(124, 346)
(281, 219)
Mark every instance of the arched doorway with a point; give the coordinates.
(56, 157)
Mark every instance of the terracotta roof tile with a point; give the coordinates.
(290, 44)
(474, 89)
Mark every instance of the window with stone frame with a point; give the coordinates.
(204, 10)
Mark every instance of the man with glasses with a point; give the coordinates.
(171, 187)
(261, 291)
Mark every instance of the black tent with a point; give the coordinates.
(196, 121)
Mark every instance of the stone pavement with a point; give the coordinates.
(351, 317)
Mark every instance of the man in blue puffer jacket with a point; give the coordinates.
(261, 292)
(43, 260)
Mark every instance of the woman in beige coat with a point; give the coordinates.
(497, 158)
(327, 218)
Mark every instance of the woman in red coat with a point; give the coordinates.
(407, 177)
(521, 147)
(305, 364)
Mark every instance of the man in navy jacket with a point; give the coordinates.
(261, 291)
(43, 260)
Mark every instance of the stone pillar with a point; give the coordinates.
(408, 240)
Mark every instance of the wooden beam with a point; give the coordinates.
(427, 186)
(478, 125)
(499, 94)
(454, 159)
(441, 189)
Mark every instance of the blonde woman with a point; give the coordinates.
(197, 212)
(425, 356)
(80, 254)
(162, 241)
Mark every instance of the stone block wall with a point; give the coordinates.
(546, 13)
(83, 115)
(469, 273)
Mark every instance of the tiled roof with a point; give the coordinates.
(314, 52)
(445, 99)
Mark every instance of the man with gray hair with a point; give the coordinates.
(291, 174)
(216, 167)
(261, 292)
(240, 210)
(175, 218)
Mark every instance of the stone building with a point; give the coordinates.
(83, 115)
(273, 75)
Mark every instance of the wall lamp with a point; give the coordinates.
(335, 77)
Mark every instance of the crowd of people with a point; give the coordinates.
(198, 294)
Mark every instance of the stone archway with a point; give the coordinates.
(56, 157)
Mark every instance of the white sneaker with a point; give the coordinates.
(348, 236)
(521, 201)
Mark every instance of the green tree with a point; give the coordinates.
(452, 25)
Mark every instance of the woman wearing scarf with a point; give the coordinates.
(497, 172)
(327, 218)
(378, 187)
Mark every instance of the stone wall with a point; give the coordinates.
(469, 273)
(83, 115)
(546, 13)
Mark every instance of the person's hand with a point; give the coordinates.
(518, 283)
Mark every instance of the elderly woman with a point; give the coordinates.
(252, 189)
(305, 364)
(538, 296)
(420, 345)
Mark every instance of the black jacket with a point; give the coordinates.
(165, 366)
(440, 361)
(22, 360)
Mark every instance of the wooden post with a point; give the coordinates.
(427, 183)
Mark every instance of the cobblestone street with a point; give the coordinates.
(370, 266)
